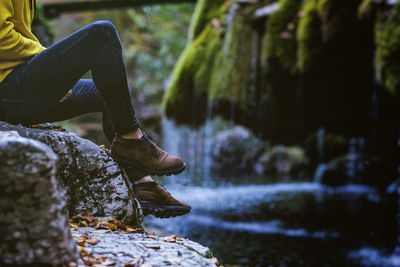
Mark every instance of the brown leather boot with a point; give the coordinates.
(143, 154)
(157, 201)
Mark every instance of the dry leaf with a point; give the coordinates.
(215, 260)
(106, 231)
(93, 241)
(86, 215)
(131, 230)
(133, 263)
(173, 261)
(170, 239)
(153, 246)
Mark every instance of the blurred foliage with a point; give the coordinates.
(388, 51)
(281, 34)
(308, 33)
(205, 11)
(152, 38)
(41, 27)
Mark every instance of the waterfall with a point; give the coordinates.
(194, 145)
(320, 144)
(397, 249)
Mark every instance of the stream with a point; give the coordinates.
(266, 221)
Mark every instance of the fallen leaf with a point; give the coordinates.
(104, 219)
(109, 262)
(131, 230)
(173, 261)
(153, 237)
(81, 240)
(105, 231)
(47, 126)
(215, 260)
(83, 224)
(170, 239)
(153, 246)
(73, 226)
(105, 149)
(133, 263)
(93, 241)
(86, 215)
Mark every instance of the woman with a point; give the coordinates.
(36, 82)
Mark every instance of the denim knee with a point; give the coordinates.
(103, 25)
(106, 30)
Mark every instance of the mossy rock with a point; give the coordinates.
(335, 51)
(188, 90)
(309, 35)
(388, 51)
(231, 72)
(365, 8)
(280, 36)
(205, 11)
(279, 52)
(329, 144)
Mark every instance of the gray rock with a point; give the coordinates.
(124, 248)
(87, 175)
(235, 151)
(33, 226)
(282, 161)
(351, 168)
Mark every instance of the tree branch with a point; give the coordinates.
(55, 9)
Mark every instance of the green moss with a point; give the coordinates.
(204, 12)
(388, 52)
(281, 34)
(41, 27)
(231, 71)
(332, 146)
(191, 75)
(365, 8)
(308, 35)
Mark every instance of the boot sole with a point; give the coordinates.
(160, 211)
(126, 164)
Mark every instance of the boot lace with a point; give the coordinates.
(148, 144)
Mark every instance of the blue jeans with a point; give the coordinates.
(31, 92)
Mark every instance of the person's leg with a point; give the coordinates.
(153, 198)
(32, 89)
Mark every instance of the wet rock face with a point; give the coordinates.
(33, 226)
(87, 176)
(282, 161)
(351, 168)
(144, 250)
(235, 151)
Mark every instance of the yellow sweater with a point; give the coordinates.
(17, 43)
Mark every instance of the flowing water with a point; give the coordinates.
(266, 221)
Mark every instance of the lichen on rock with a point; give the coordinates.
(33, 224)
(88, 177)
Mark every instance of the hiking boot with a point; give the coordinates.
(157, 201)
(146, 156)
